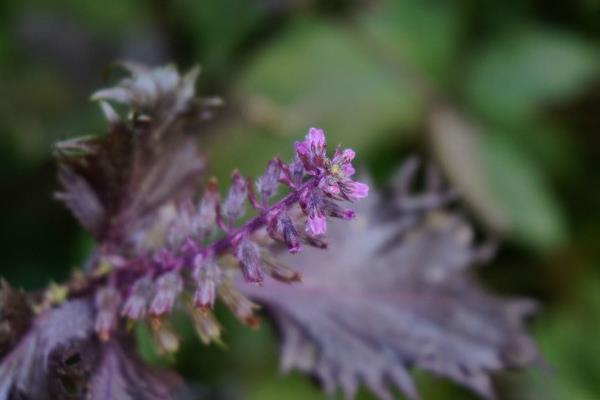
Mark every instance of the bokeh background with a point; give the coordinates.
(504, 95)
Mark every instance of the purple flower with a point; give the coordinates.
(311, 203)
(297, 170)
(282, 228)
(248, 255)
(312, 150)
(234, 205)
(168, 288)
(356, 190)
(337, 182)
(136, 304)
(207, 209)
(206, 274)
(316, 223)
(183, 225)
(287, 230)
(334, 210)
(266, 185)
(335, 173)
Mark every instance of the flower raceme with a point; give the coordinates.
(316, 183)
(133, 187)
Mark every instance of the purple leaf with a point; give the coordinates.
(61, 358)
(37, 367)
(111, 182)
(121, 375)
(82, 200)
(390, 294)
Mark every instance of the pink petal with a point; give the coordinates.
(316, 224)
(302, 149)
(316, 139)
(348, 155)
(348, 169)
(358, 190)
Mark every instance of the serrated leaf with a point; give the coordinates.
(121, 375)
(111, 182)
(391, 293)
(60, 358)
(26, 372)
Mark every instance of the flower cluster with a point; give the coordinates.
(205, 244)
(333, 177)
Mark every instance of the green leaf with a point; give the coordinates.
(316, 74)
(494, 175)
(534, 213)
(422, 35)
(517, 74)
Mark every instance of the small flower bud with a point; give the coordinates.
(165, 338)
(168, 288)
(334, 210)
(234, 204)
(312, 150)
(136, 304)
(247, 253)
(206, 274)
(184, 224)
(207, 209)
(311, 203)
(239, 304)
(278, 270)
(282, 228)
(297, 171)
(316, 140)
(107, 302)
(206, 326)
(267, 184)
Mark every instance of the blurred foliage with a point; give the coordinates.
(503, 94)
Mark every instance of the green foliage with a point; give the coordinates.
(569, 342)
(533, 211)
(509, 80)
(318, 73)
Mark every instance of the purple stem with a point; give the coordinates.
(260, 220)
(131, 272)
